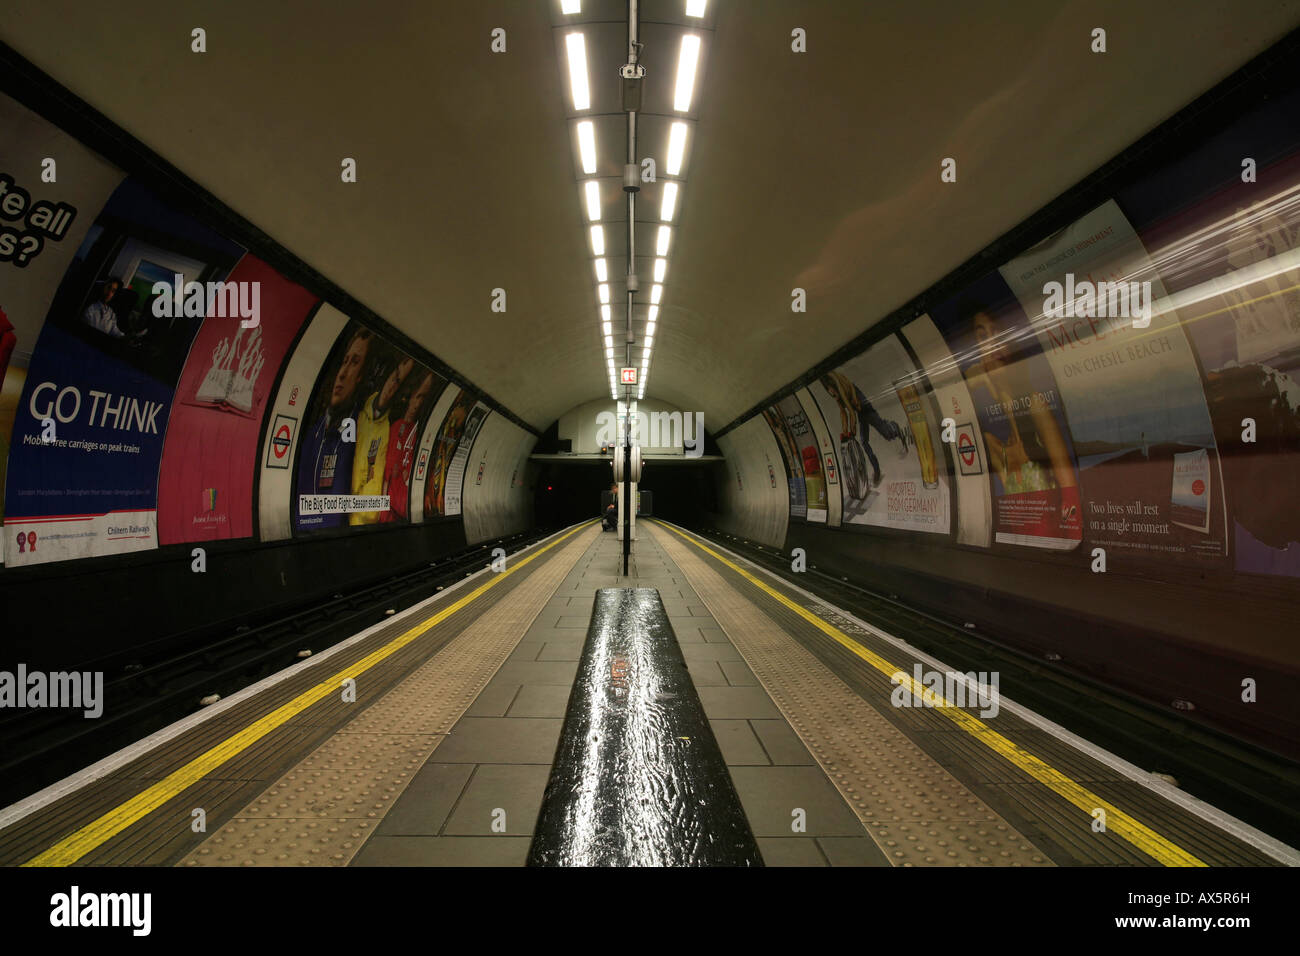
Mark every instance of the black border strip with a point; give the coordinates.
(1204, 116)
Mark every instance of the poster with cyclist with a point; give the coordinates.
(891, 474)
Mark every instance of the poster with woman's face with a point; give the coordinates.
(1032, 467)
(1149, 478)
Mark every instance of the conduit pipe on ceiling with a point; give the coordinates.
(631, 74)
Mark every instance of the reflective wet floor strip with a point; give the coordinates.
(638, 778)
(321, 812)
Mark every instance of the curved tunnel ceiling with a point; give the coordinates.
(818, 170)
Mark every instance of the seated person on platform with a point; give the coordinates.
(610, 521)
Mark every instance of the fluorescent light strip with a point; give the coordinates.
(609, 340)
(603, 290)
(602, 273)
(587, 145)
(687, 61)
(592, 190)
(656, 293)
(604, 314)
(669, 202)
(661, 269)
(569, 7)
(654, 312)
(694, 8)
(676, 148)
(607, 328)
(662, 245)
(598, 240)
(577, 49)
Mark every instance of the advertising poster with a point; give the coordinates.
(827, 449)
(205, 486)
(88, 433)
(800, 431)
(275, 487)
(442, 453)
(455, 479)
(51, 189)
(1033, 478)
(1148, 465)
(1231, 263)
(357, 431)
(890, 473)
(785, 441)
(969, 476)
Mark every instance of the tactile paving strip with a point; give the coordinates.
(322, 810)
(1059, 827)
(917, 812)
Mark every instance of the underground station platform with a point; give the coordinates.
(697, 711)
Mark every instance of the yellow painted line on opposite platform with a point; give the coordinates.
(72, 848)
(1117, 821)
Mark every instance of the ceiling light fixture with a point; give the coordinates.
(669, 202)
(577, 49)
(687, 61)
(587, 145)
(676, 148)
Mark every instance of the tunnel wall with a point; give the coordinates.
(752, 493)
(1108, 475)
(498, 500)
(194, 426)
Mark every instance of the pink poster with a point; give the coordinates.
(205, 483)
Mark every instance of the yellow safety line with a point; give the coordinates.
(1117, 821)
(72, 848)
